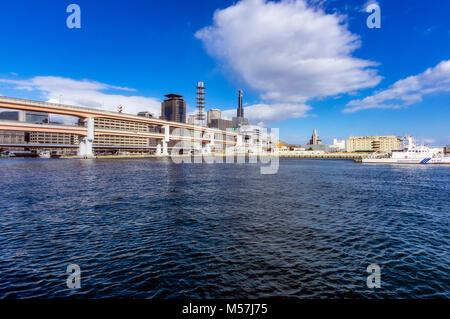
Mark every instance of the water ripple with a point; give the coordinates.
(146, 228)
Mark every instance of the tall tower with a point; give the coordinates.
(315, 140)
(200, 101)
(240, 109)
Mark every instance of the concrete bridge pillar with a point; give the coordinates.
(158, 149)
(208, 147)
(165, 152)
(165, 140)
(86, 142)
(239, 140)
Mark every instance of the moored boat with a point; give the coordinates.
(45, 154)
(412, 154)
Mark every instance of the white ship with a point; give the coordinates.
(45, 154)
(412, 154)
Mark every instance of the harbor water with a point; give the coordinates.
(150, 228)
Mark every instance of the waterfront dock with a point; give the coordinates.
(355, 156)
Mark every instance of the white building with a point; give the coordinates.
(338, 145)
(191, 119)
(251, 133)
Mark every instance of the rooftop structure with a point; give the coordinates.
(173, 96)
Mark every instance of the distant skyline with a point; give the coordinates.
(303, 65)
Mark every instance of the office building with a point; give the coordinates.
(213, 114)
(221, 124)
(382, 144)
(120, 125)
(12, 137)
(173, 108)
(53, 138)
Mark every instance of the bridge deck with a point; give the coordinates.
(84, 112)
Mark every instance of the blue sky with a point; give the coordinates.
(302, 65)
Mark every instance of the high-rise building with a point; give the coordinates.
(384, 144)
(315, 140)
(174, 108)
(213, 114)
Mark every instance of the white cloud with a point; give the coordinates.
(289, 51)
(407, 91)
(262, 114)
(86, 93)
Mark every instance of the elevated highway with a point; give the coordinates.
(87, 133)
(84, 112)
(83, 131)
